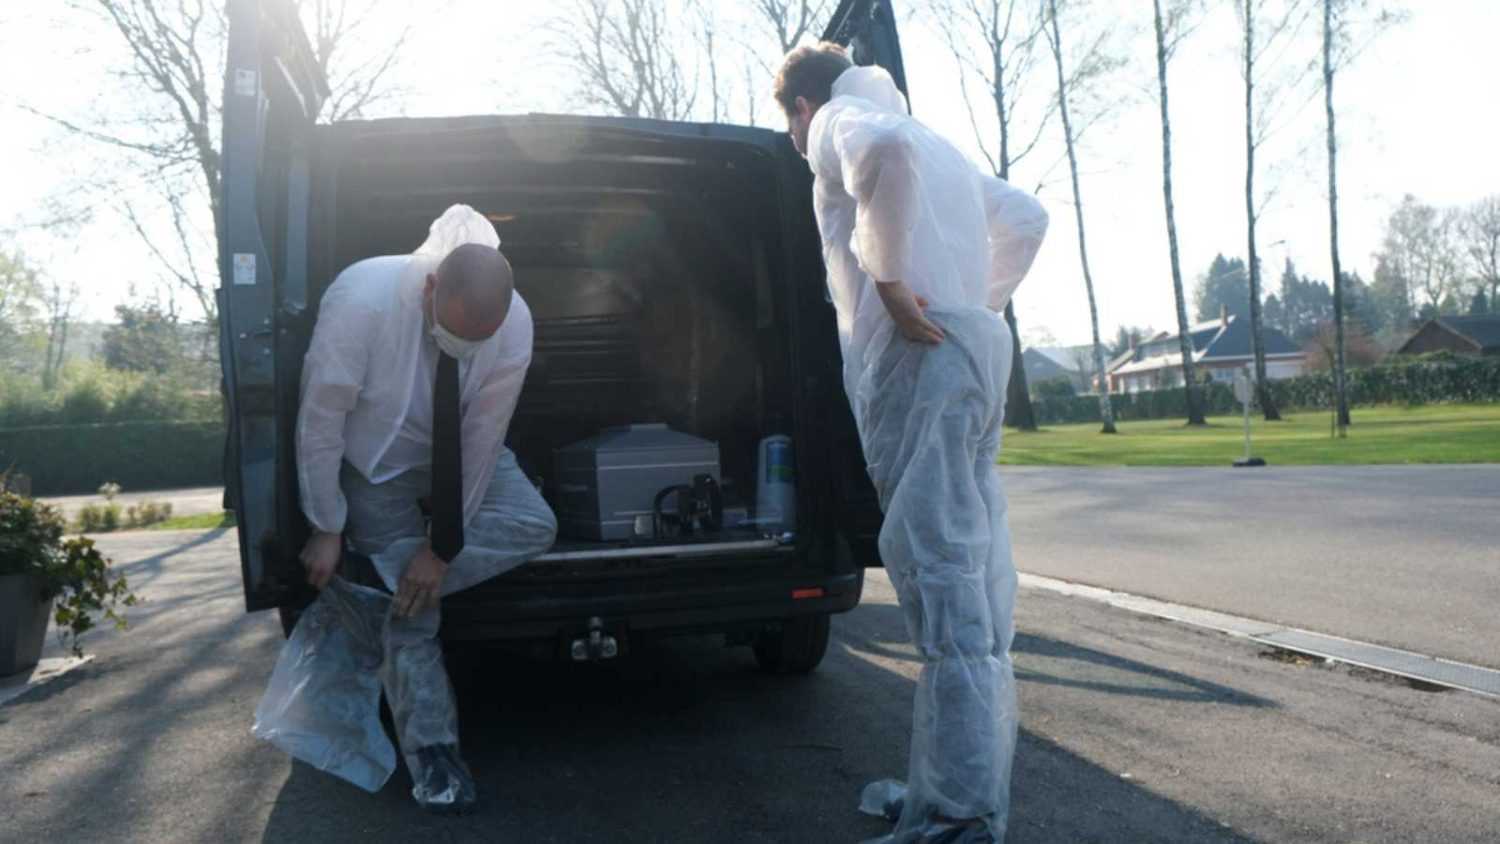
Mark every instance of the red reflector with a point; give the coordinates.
(799, 594)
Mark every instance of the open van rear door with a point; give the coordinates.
(273, 89)
(868, 29)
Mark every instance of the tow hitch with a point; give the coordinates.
(597, 645)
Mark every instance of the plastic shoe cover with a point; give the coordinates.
(883, 799)
(441, 781)
(886, 799)
(416, 684)
(972, 832)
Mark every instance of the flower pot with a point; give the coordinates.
(23, 622)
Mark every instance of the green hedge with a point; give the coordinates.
(1413, 381)
(91, 394)
(76, 459)
(1157, 404)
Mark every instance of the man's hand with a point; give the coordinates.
(420, 586)
(906, 310)
(320, 556)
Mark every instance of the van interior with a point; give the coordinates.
(651, 264)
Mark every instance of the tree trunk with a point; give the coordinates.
(1019, 413)
(1257, 342)
(1106, 408)
(48, 382)
(1340, 385)
(62, 351)
(1185, 344)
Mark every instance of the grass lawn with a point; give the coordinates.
(203, 521)
(1449, 433)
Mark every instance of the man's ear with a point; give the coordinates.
(804, 108)
(431, 283)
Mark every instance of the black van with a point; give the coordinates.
(675, 275)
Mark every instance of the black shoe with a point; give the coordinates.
(441, 782)
(973, 832)
(891, 811)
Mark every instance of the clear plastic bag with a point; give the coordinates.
(322, 705)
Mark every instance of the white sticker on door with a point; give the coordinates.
(244, 268)
(244, 82)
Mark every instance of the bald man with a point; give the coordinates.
(408, 387)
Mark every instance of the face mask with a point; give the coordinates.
(451, 344)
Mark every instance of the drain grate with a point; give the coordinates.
(1416, 666)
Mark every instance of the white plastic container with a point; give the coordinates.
(776, 485)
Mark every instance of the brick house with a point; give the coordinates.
(1464, 335)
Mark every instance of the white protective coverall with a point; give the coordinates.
(896, 202)
(364, 445)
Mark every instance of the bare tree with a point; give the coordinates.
(1449, 258)
(360, 67)
(996, 42)
(1361, 349)
(59, 300)
(708, 31)
(751, 94)
(1340, 45)
(631, 57)
(1262, 32)
(1481, 233)
(1171, 27)
(174, 84)
(734, 44)
(20, 294)
(1421, 251)
(1009, 32)
(1054, 40)
(791, 20)
(1340, 391)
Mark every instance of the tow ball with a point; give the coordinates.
(597, 645)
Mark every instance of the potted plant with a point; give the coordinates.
(38, 567)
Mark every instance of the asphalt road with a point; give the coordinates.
(1132, 730)
(1406, 556)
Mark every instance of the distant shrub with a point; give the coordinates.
(85, 401)
(147, 513)
(90, 393)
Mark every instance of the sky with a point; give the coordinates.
(1417, 114)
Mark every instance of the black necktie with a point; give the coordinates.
(447, 466)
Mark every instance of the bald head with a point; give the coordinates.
(473, 288)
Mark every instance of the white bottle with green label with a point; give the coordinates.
(776, 485)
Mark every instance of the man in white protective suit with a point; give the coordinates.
(408, 387)
(923, 250)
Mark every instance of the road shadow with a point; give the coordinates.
(684, 740)
(1119, 675)
(143, 726)
(142, 572)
